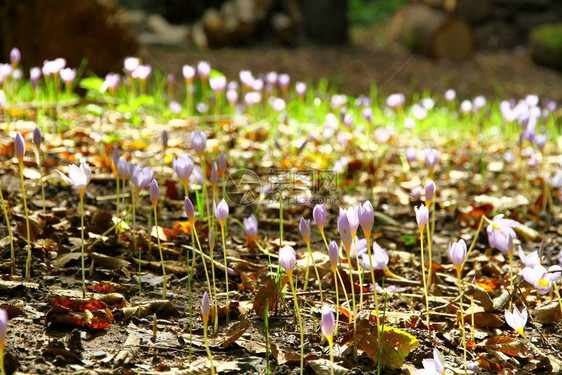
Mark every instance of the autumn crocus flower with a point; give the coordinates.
(333, 253)
(221, 212)
(203, 70)
(345, 231)
(422, 215)
(205, 312)
(287, 259)
(19, 147)
(79, 177)
(431, 157)
(366, 218)
(395, 101)
(529, 260)
(457, 253)
(498, 231)
(328, 324)
(517, 320)
(429, 192)
(540, 278)
(251, 228)
(141, 177)
(198, 142)
(379, 258)
(432, 366)
(319, 215)
(304, 228)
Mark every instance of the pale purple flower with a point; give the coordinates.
(188, 73)
(251, 226)
(212, 238)
(432, 366)
(353, 218)
(410, 154)
(300, 88)
(422, 215)
(357, 248)
(417, 191)
(338, 101)
(409, 123)
(111, 82)
(333, 253)
(368, 114)
(246, 77)
(175, 107)
(509, 157)
(395, 100)
(479, 103)
(123, 168)
(284, 80)
(457, 253)
(278, 104)
(34, 76)
(328, 324)
(366, 217)
(205, 307)
(529, 260)
(203, 70)
(141, 177)
(540, 141)
(154, 192)
(540, 278)
(79, 177)
(304, 228)
(287, 259)
(222, 162)
(202, 107)
(214, 174)
(142, 72)
(67, 75)
(15, 56)
(3, 325)
(431, 157)
(319, 215)
(198, 142)
(252, 98)
(450, 95)
(516, 320)
(419, 112)
(379, 258)
(466, 107)
(189, 209)
(218, 83)
(257, 84)
(131, 64)
(232, 96)
(271, 78)
(17, 74)
(221, 212)
(532, 100)
(19, 147)
(382, 135)
(37, 137)
(345, 230)
(498, 231)
(429, 191)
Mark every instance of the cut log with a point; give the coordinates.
(546, 45)
(434, 33)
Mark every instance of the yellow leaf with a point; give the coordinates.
(396, 345)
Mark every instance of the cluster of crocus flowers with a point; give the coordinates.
(80, 177)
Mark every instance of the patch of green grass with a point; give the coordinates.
(370, 12)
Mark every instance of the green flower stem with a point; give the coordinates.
(297, 310)
(81, 192)
(459, 272)
(213, 296)
(368, 236)
(315, 271)
(164, 287)
(225, 269)
(205, 329)
(424, 278)
(28, 261)
(9, 227)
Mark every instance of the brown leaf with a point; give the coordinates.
(269, 292)
(507, 345)
(483, 319)
(79, 304)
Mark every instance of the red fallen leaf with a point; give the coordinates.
(484, 209)
(79, 304)
(486, 364)
(235, 333)
(489, 284)
(471, 345)
(98, 323)
(345, 312)
(415, 321)
(108, 287)
(171, 191)
(221, 310)
(347, 283)
(180, 228)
